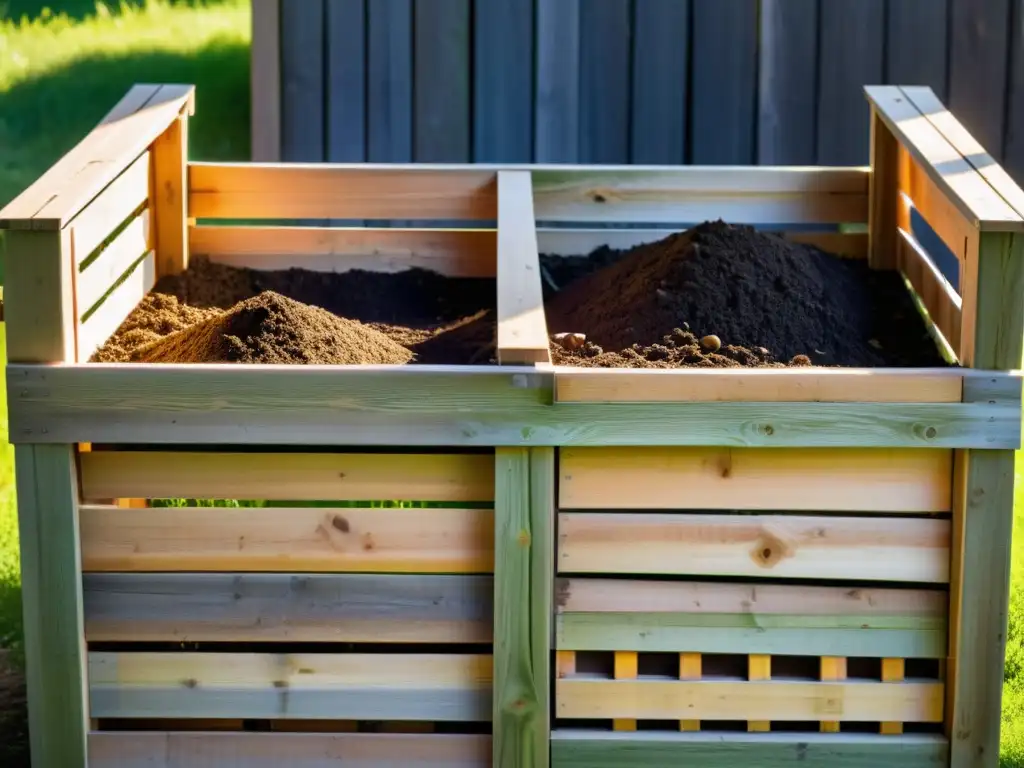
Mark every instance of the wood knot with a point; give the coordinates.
(340, 523)
(523, 538)
(190, 682)
(769, 550)
(280, 683)
(368, 542)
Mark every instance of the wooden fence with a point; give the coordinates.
(622, 81)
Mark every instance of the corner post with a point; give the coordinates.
(169, 197)
(883, 195)
(523, 597)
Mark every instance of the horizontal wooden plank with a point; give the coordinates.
(82, 173)
(938, 296)
(92, 283)
(129, 749)
(589, 749)
(436, 687)
(917, 190)
(279, 539)
(746, 633)
(284, 476)
(580, 697)
(110, 208)
(445, 406)
(582, 242)
(894, 480)
(452, 252)
(252, 607)
(837, 385)
(294, 191)
(119, 303)
(766, 546)
(596, 595)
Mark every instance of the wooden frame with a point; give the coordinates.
(915, 462)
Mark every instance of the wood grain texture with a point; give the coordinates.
(129, 749)
(302, 83)
(389, 81)
(502, 92)
(170, 198)
(660, 56)
(557, 82)
(345, 80)
(283, 476)
(604, 62)
(942, 302)
(522, 328)
(252, 607)
(39, 306)
(441, 90)
(438, 687)
(265, 81)
(454, 252)
(296, 191)
(587, 749)
(51, 585)
(279, 539)
(583, 697)
(112, 206)
(787, 72)
(765, 546)
(918, 35)
(107, 316)
(767, 385)
(708, 478)
(524, 532)
(92, 283)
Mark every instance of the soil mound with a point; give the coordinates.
(156, 316)
(766, 301)
(270, 328)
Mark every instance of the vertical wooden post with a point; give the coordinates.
(523, 601)
(759, 667)
(883, 196)
(983, 513)
(169, 199)
(626, 668)
(832, 668)
(893, 671)
(690, 668)
(41, 328)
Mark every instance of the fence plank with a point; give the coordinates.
(346, 81)
(978, 68)
(441, 48)
(724, 81)
(604, 81)
(787, 102)
(1013, 155)
(557, 86)
(302, 77)
(660, 54)
(852, 35)
(389, 81)
(917, 37)
(502, 80)
(265, 80)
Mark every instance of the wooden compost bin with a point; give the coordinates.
(588, 567)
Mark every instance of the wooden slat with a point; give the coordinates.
(362, 192)
(296, 750)
(565, 662)
(938, 209)
(625, 668)
(281, 539)
(724, 82)
(170, 197)
(759, 668)
(455, 252)
(345, 80)
(110, 208)
(92, 283)
(767, 546)
(39, 306)
(252, 607)
(502, 94)
(265, 81)
(943, 164)
(604, 32)
(557, 82)
(832, 668)
(389, 81)
(74, 180)
(765, 385)
(852, 43)
(689, 669)
(438, 687)
(108, 316)
(922, 27)
(892, 672)
(441, 97)
(1013, 151)
(744, 478)
(937, 295)
(649, 699)
(787, 82)
(310, 476)
(522, 328)
(523, 573)
(761, 195)
(302, 82)
(660, 58)
(590, 749)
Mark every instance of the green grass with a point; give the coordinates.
(1012, 747)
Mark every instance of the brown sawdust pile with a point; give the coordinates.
(767, 301)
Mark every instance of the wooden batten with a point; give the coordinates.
(311, 476)
(111, 207)
(132, 243)
(942, 302)
(904, 480)
(94, 331)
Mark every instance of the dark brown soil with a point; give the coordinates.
(14, 751)
(433, 318)
(769, 302)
